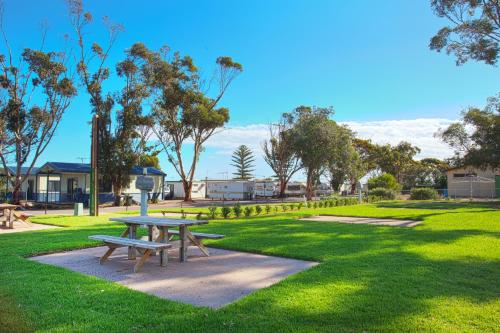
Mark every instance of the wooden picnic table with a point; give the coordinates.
(8, 211)
(162, 224)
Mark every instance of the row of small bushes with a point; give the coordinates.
(333, 202)
(238, 210)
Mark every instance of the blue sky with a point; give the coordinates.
(369, 60)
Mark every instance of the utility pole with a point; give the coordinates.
(94, 188)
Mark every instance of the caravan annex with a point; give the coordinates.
(230, 189)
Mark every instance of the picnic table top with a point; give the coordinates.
(157, 221)
(7, 206)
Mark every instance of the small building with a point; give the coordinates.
(27, 187)
(473, 182)
(265, 188)
(230, 189)
(62, 182)
(175, 190)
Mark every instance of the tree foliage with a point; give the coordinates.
(315, 138)
(35, 92)
(346, 164)
(280, 155)
(397, 160)
(117, 150)
(476, 138)
(474, 31)
(385, 180)
(243, 161)
(182, 111)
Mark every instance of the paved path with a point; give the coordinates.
(363, 220)
(212, 281)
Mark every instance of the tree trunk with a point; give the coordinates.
(117, 191)
(353, 187)
(187, 190)
(16, 195)
(309, 185)
(282, 188)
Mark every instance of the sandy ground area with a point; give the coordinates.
(363, 220)
(21, 227)
(212, 281)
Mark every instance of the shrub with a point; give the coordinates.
(276, 208)
(199, 215)
(423, 193)
(284, 207)
(385, 180)
(320, 204)
(183, 214)
(309, 204)
(258, 209)
(268, 209)
(248, 211)
(237, 210)
(212, 212)
(292, 206)
(315, 205)
(225, 212)
(383, 193)
(299, 205)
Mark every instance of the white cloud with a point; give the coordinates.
(419, 132)
(228, 139)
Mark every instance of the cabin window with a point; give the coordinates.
(54, 186)
(462, 175)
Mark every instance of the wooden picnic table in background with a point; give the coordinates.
(8, 211)
(163, 224)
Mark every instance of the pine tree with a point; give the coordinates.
(243, 161)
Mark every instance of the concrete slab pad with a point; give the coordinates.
(21, 227)
(212, 281)
(363, 220)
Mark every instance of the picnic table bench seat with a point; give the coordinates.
(115, 242)
(198, 234)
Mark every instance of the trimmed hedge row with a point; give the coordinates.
(237, 210)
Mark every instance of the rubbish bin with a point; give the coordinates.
(78, 209)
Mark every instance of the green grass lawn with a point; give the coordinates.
(443, 275)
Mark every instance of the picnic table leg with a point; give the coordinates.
(163, 238)
(198, 243)
(141, 261)
(151, 237)
(4, 222)
(132, 234)
(183, 247)
(11, 220)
